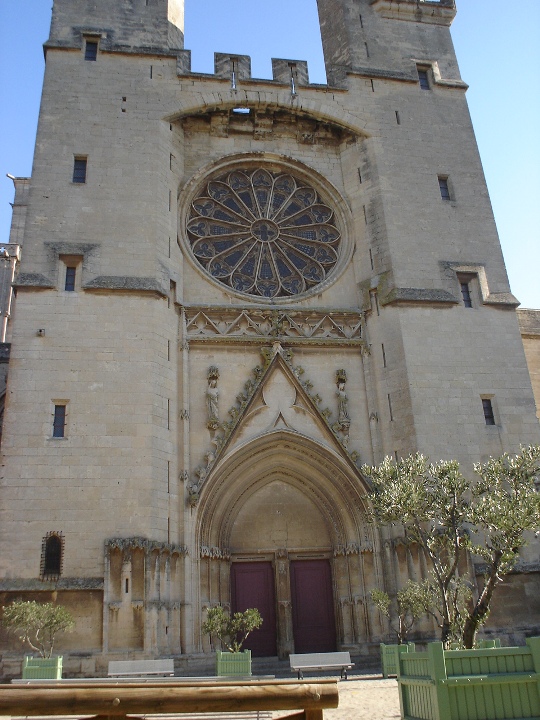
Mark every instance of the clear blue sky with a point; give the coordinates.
(498, 47)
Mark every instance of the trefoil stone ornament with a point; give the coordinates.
(212, 398)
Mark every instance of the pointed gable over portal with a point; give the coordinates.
(278, 400)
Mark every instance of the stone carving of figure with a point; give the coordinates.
(343, 406)
(341, 428)
(212, 399)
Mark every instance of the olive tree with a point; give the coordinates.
(408, 609)
(37, 624)
(450, 515)
(231, 630)
(431, 503)
(505, 510)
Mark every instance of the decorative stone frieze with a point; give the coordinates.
(231, 325)
(148, 546)
(215, 553)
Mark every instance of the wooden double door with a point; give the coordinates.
(311, 602)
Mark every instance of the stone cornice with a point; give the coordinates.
(125, 284)
(33, 280)
(148, 546)
(418, 295)
(441, 12)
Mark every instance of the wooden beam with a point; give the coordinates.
(116, 700)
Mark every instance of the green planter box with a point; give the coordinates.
(234, 664)
(493, 683)
(42, 668)
(389, 656)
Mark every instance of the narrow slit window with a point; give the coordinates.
(466, 293)
(59, 421)
(390, 408)
(489, 415)
(80, 165)
(444, 187)
(91, 50)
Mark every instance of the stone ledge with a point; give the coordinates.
(520, 567)
(418, 295)
(125, 283)
(501, 299)
(64, 583)
(32, 280)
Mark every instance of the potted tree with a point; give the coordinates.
(408, 609)
(232, 633)
(38, 624)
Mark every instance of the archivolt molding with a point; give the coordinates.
(217, 102)
(316, 471)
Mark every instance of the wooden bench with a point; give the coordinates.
(140, 668)
(118, 700)
(321, 661)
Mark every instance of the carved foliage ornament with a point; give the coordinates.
(265, 234)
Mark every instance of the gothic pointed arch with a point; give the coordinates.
(320, 475)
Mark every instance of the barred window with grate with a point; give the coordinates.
(59, 422)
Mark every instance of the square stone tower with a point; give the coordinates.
(233, 293)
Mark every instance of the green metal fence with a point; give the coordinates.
(483, 684)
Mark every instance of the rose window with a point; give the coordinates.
(263, 233)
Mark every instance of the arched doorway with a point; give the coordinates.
(279, 517)
(282, 523)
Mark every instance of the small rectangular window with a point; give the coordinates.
(59, 422)
(423, 77)
(70, 279)
(489, 415)
(90, 50)
(79, 169)
(444, 187)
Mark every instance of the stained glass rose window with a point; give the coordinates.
(263, 233)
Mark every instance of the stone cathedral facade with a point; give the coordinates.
(233, 293)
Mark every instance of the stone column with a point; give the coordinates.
(285, 637)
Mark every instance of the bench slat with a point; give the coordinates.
(321, 661)
(141, 667)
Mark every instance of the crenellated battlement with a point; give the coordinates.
(237, 68)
